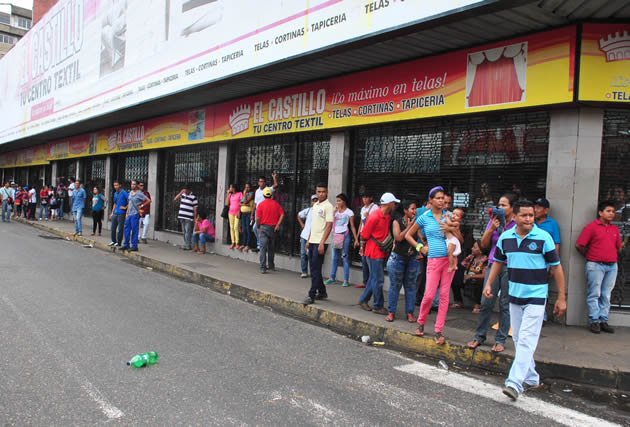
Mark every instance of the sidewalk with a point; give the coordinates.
(570, 353)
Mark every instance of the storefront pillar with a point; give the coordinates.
(223, 177)
(153, 188)
(53, 174)
(108, 191)
(575, 143)
(78, 174)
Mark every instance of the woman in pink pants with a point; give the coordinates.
(431, 224)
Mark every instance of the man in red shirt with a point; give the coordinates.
(600, 243)
(269, 216)
(375, 232)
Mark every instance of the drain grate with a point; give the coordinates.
(50, 237)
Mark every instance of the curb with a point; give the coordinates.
(395, 339)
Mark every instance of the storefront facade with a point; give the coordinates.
(402, 128)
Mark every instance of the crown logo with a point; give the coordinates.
(112, 141)
(616, 47)
(239, 119)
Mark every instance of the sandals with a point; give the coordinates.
(420, 330)
(456, 305)
(473, 344)
(498, 348)
(439, 338)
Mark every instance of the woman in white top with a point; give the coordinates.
(344, 223)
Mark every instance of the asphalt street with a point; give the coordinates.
(72, 316)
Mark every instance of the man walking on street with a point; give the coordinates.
(145, 212)
(317, 243)
(188, 204)
(600, 243)
(78, 204)
(7, 195)
(269, 216)
(375, 233)
(529, 254)
(132, 219)
(119, 210)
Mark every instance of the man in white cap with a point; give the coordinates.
(378, 243)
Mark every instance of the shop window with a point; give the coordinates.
(614, 184)
(301, 161)
(93, 176)
(195, 166)
(475, 159)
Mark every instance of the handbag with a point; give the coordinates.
(338, 240)
(386, 245)
(224, 212)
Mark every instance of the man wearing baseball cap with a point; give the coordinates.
(269, 216)
(545, 222)
(375, 233)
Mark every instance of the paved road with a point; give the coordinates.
(71, 316)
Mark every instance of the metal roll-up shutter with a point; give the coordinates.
(614, 185)
(474, 158)
(129, 167)
(93, 176)
(196, 166)
(300, 161)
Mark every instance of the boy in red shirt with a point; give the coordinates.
(600, 243)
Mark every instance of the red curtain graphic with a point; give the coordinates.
(496, 76)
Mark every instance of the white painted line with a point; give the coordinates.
(559, 414)
(109, 410)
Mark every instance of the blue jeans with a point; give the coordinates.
(365, 269)
(6, 213)
(403, 272)
(527, 322)
(202, 238)
(316, 262)
(60, 209)
(267, 242)
(255, 232)
(247, 228)
(600, 280)
(43, 211)
(344, 254)
(78, 217)
(118, 223)
(303, 256)
(132, 230)
(188, 226)
(374, 286)
(485, 314)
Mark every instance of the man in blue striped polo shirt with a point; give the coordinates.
(529, 253)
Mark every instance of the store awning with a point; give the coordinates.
(494, 20)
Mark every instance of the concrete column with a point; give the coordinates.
(78, 174)
(153, 188)
(53, 173)
(107, 191)
(223, 177)
(338, 164)
(575, 144)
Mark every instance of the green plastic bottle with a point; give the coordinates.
(144, 359)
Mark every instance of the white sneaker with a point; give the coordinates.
(111, 244)
(303, 275)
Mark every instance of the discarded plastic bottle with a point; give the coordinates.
(144, 359)
(443, 365)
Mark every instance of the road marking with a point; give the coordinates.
(461, 382)
(109, 410)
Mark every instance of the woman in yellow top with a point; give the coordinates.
(247, 206)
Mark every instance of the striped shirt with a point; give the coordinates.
(187, 205)
(527, 260)
(430, 228)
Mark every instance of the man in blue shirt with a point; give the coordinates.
(132, 218)
(528, 252)
(545, 222)
(119, 211)
(78, 204)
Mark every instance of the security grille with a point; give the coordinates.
(614, 184)
(197, 167)
(474, 158)
(93, 176)
(301, 161)
(21, 176)
(67, 169)
(130, 167)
